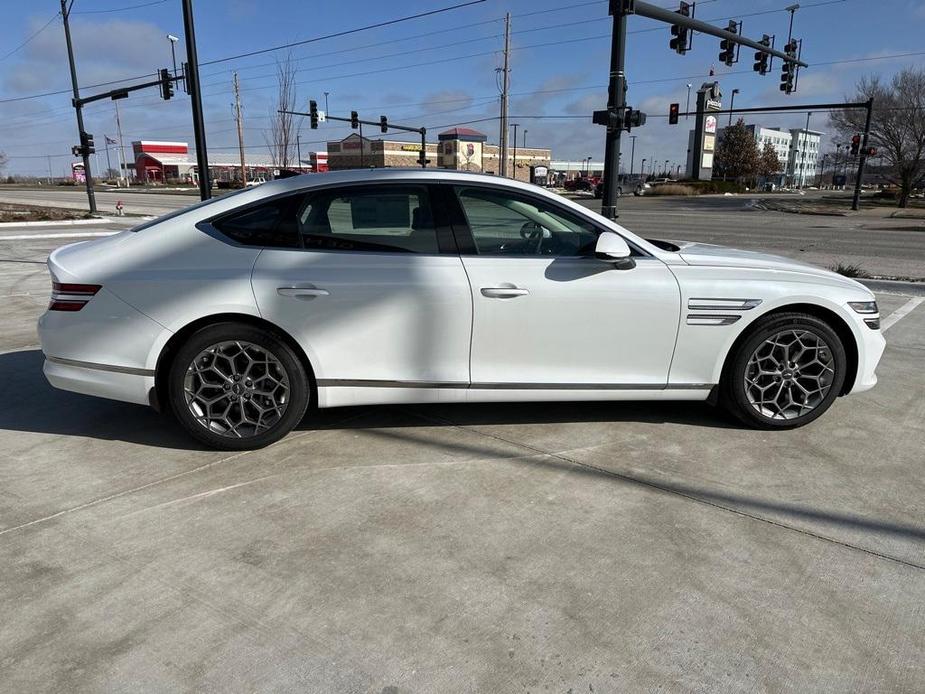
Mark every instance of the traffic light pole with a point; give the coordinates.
(192, 85)
(616, 105)
(862, 159)
(88, 178)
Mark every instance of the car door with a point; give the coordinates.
(546, 311)
(377, 296)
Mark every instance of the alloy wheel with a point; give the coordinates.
(789, 374)
(236, 389)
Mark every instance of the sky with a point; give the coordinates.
(437, 71)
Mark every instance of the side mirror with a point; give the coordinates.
(613, 248)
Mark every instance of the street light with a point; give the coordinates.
(667, 161)
(633, 153)
(525, 138)
(326, 103)
(173, 53)
(732, 101)
(642, 169)
(687, 111)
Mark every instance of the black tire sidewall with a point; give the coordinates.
(299, 389)
(733, 387)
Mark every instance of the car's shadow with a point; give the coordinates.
(32, 405)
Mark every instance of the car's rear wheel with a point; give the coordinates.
(786, 373)
(236, 387)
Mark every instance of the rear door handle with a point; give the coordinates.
(302, 292)
(503, 292)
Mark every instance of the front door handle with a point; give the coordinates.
(302, 292)
(503, 292)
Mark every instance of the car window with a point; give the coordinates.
(381, 218)
(504, 223)
(271, 224)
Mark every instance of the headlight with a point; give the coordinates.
(864, 306)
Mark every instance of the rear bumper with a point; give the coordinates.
(101, 380)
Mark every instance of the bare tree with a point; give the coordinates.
(897, 127)
(280, 137)
(769, 163)
(3, 160)
(737, 153)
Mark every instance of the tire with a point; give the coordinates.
(785, 373)
(256, 387)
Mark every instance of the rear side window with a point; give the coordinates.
(380, 218)
(272, 224)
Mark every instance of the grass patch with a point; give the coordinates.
(850, 270)
(29, 213)
(671, 189)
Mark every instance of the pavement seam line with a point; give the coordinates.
(900, 313)
(163, 480)
(673, 492)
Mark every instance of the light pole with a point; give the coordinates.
(173, 52)
(642, 169)
(633, 153)
(667, 161)
(732, 101)
(803, 151)
(687, 110)
(326, 103)
(792, 10)
(525, 138)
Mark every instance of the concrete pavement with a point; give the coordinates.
(544, 547)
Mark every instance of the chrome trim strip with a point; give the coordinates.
(706, 319)
(130, 370)
(352, 383)
(719, 304)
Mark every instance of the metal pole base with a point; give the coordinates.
(609, 211)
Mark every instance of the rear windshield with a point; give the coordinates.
(189, 208)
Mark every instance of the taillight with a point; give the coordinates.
(71, 297)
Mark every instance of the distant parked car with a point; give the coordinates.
(624, 183)
(255, 182)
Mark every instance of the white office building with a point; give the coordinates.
(803, 159)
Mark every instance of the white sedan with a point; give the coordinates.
(417, 286)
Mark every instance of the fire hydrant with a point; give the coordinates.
(119, 207)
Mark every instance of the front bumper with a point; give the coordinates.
(870, 348)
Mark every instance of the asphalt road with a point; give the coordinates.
(498, 548)
(883, 247)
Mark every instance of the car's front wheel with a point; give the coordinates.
(786, 373)
(235, 387)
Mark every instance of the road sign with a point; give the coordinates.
(322, 116)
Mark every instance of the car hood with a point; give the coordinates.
(705, 254)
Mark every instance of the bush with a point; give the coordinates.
(714, 187)
(671, 189)
(849, 270)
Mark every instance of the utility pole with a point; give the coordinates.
(49, 170)
(862, 158)
(122, 171)
(240, 124)
(192, 84)
(505, 86)
(514, 161)
(85, 155)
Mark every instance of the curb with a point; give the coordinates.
(60, 223)
(895, 286)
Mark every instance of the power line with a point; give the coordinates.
(120, 9)
(346, 32)
(32, 36)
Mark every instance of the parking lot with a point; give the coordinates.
(499, 548)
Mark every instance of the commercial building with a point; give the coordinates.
(458, 149)
(797, 148)
(172, 162)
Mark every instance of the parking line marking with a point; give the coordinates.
(63, 235)
(900, 313)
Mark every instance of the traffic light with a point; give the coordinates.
(313, 114)
(855, 145)
(680, 35)
(673, 110)
(788, 72)
(762, 58)
(86, 143)
(166, 84)
(384, 124)
(728, 46)
(633, 119)
(354, 120)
